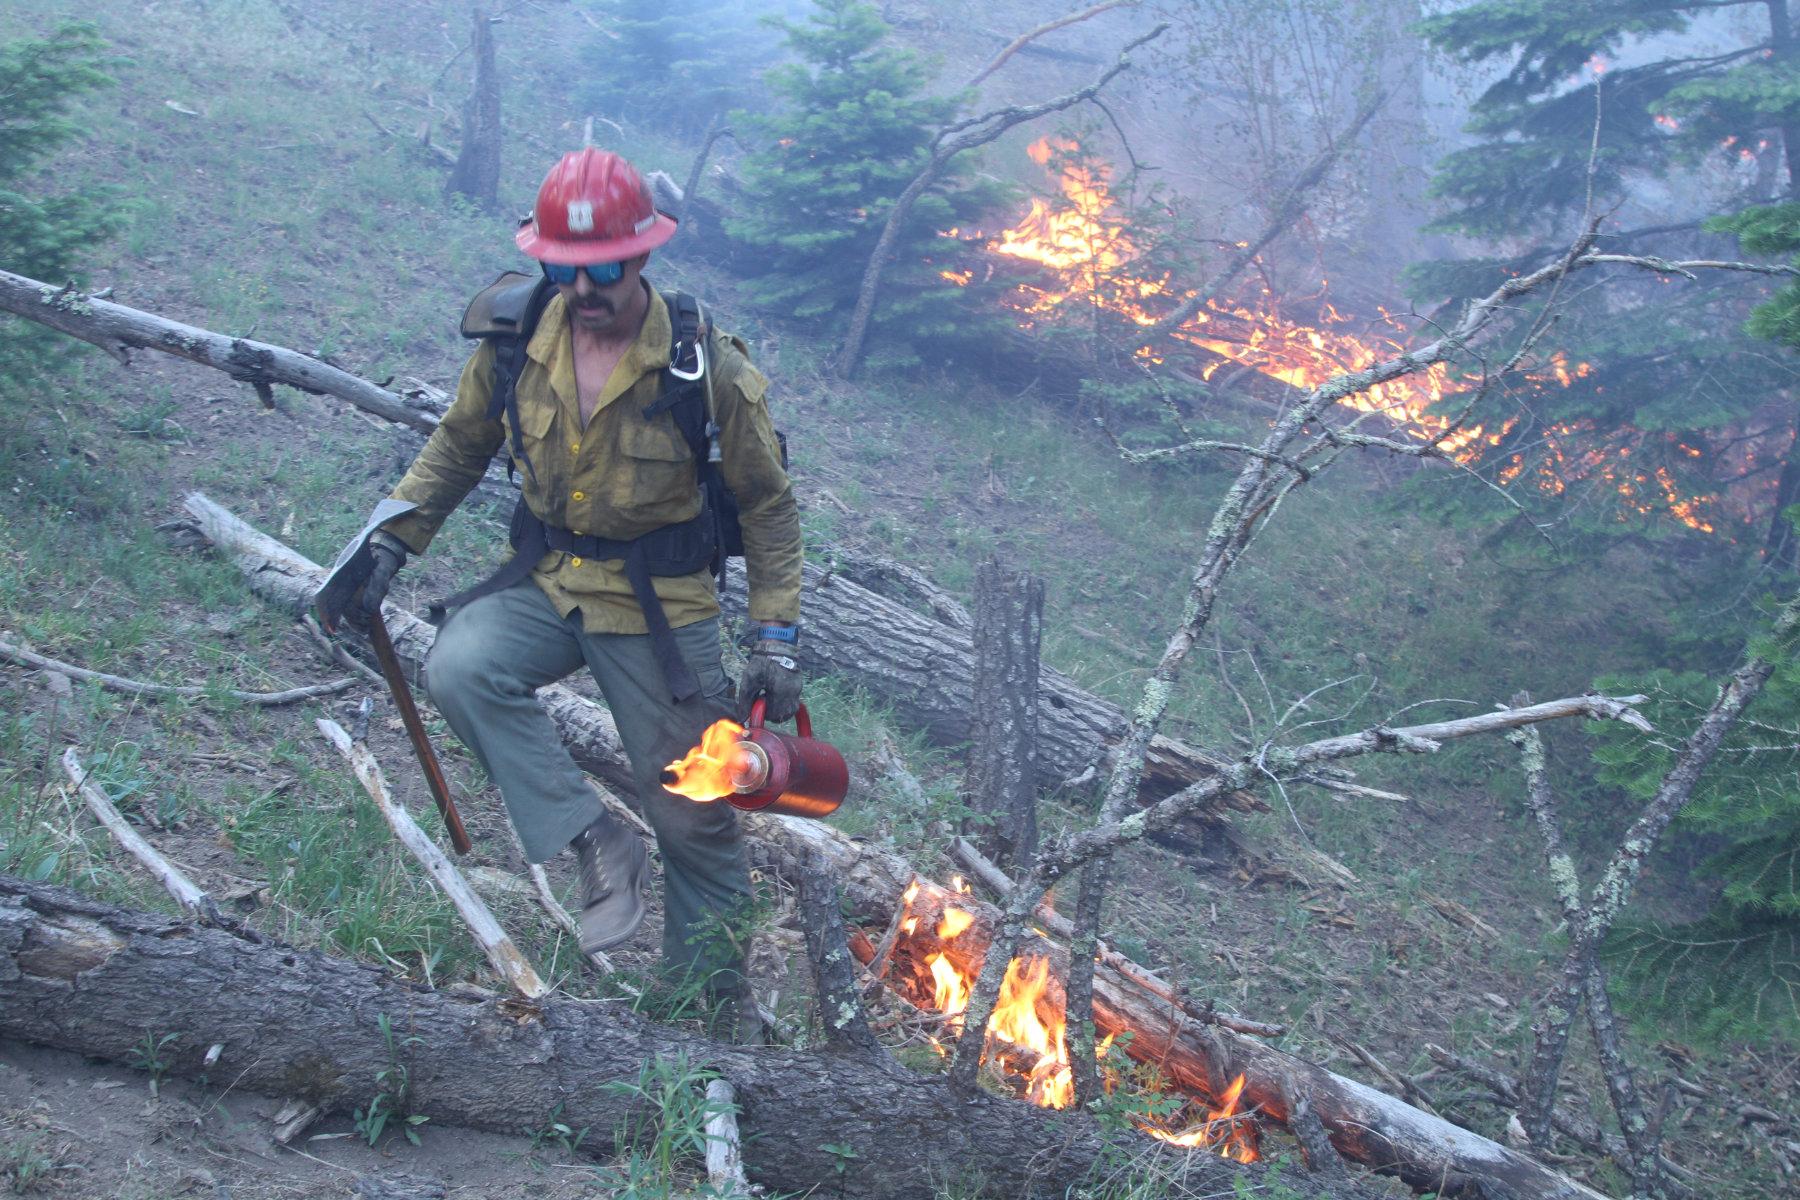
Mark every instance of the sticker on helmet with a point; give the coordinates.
(581, 216)
(644, 224)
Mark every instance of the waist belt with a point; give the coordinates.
(679, 549)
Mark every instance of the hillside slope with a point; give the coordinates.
(268, 160)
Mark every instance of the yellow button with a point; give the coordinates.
(580, 496)
(574, 447)
(574, 562)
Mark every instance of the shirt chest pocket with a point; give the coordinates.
(536, 424)
(654, 466)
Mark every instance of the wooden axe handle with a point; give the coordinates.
(415, 729)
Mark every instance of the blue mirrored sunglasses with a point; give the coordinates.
(601, 273)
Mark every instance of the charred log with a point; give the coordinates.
(1363, 1125)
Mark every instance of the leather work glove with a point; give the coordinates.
(388, 554)
(773, 673)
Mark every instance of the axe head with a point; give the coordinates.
(353, 566)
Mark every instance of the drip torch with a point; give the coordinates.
(789, 774)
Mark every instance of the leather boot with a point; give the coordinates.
(614, 870)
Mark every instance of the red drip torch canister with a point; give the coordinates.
(777, 772)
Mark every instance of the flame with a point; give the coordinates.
(1225, 1130)
(704, 773)
(1090, 259)
(1027, 1036)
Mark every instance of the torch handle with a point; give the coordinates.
(759, 711)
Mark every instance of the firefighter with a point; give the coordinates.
(614, 547)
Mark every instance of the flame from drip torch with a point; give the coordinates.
(1087, 245)
(1027, 1036)
(717, 767)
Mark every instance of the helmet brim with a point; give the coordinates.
(572, 253)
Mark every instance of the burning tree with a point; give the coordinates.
(1676, 413)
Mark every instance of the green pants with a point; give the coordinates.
(488, 661)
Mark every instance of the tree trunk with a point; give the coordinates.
(476, 175)
(1002, 772)
(90, 978)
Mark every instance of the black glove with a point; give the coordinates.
(774, 674)
(388, 555)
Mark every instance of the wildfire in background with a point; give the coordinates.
(1027, 1035)
(1085, 245)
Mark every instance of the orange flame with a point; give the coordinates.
(1225, 1130)
(1027, 1036)
(705, 772)
(1087, 247)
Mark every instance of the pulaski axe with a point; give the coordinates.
(332, 601)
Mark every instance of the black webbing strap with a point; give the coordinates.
(509, 364)
(532, 539)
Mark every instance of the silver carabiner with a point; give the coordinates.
(699, 362)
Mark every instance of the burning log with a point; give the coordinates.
(89, 978)
(1363, 1125)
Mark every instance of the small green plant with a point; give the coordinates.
(555, 1133)
(389, 1106)
(666, 1122)
(147, 1057)
(842, 1155)
(26, 1166)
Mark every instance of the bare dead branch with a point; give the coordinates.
(1290, 209)
(950, 141)
(186, 893)
(1024, 39)
(118, 329)
(135, 687)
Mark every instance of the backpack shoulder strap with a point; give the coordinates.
(685, 381)
(506, 313)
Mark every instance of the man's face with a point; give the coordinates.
(607, 309)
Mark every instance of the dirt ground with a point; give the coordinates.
(74, 1128)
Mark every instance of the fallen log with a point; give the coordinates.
(91, 978)
(925, 670)
(1366, 1125)
(118, 329)
(912, 661)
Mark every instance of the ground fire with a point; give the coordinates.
(1027, 1044)
(1085, 254)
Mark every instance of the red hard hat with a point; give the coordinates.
(593, 207)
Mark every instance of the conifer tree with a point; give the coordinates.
(1700, 125)
(45, 231)
(671, 64)
(824, 171)
(44, 236)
